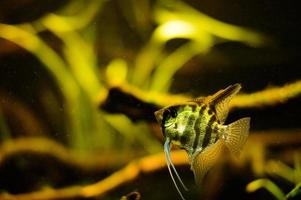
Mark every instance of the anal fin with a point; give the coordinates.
(237, 134)
(203, 161)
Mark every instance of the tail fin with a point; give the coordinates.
(237, 135)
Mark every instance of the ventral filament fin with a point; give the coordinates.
(171, 166)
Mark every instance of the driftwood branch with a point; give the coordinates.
(140, 105)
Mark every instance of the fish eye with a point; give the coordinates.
(166, 113)
(173, 112)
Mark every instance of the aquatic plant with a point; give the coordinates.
(277, 168)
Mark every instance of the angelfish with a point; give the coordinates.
(198, 127)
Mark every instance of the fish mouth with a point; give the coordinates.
(159, 115)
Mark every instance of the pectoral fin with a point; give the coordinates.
(202, 162)
(237, 134)
(221, 99)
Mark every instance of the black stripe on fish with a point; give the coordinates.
(201, 112)
(188, 127)
(215, 129)
(213, 134)
(210, 110)
(176, 137)
(184, 139)
(193, 108)
(165, 115)
(208, 131)
(197, 128)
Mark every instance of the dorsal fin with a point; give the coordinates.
(220, 100)
(198, 100)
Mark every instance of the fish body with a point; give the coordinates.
(198, 127)
(194, 128)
